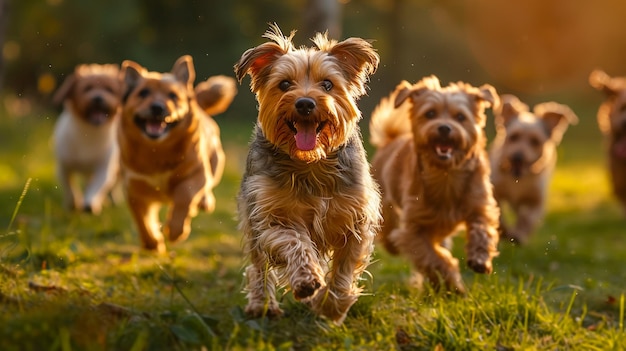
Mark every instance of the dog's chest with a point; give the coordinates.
(81, 144)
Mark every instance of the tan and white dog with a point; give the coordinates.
(523, 156)
(84, 135)
(171, 152)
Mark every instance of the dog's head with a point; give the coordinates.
(157, 103)
(447, 123)
(530, 136)
(93, 91)
(307, 96)
(612, 112)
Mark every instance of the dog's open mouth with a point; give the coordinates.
(305, 133)
(154, 128)
(98, 116)
(444, 149)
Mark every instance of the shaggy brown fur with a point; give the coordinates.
(433, 170)
(171, 151)
(523, 157)
(612, 122)
(308, 206)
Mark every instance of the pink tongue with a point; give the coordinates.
(98, 117)
(306, 137)
(155, 128)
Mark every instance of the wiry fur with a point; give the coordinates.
(308, 216)
(84, 135)
(523, 157)
(171, 153)
(612, 123)
(434, 176)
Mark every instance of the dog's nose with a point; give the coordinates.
(157, 110)
(97, 100)
(444, 129)
(305, 106)
(517, 158)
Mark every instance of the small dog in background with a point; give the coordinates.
(433, 170)
(612, 123)
(85, 135)
(308, 206)
(523, 157)
(171, 153)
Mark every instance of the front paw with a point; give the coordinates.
(305, 288)
(480, 266)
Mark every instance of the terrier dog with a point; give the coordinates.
(308, 206)
(612, 123)
(84, 135)
(433, 171)
(170, 148)
(523, 156)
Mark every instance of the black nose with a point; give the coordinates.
(305, 106)
(157, 110)
(98, 101)
(444, 129)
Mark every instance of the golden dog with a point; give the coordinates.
(85, 135)
(612, 122)
(523, 156)
(308, 206)
(171, 151)
(433, 171)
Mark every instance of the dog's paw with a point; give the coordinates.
(478, 266)
(304, 289)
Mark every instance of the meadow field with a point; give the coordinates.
(72, 281)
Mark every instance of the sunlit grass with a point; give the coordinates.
(74, 281)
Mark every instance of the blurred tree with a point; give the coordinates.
(321, 16)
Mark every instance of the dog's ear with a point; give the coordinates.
(64, 90)
(215, 94)
(130, 74)
(488, 95)
(184, 71)
(507, 109)
(356, 58)
(556, 118)
(257, 61)
(603, 82)
(405, 89)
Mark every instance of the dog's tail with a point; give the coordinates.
(388, 121)
(215, 94)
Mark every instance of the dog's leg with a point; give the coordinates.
(481, 247)
(528, 218)
(261, 287)
(72, 196)
(184, 207)
(98, 187)
(430, 259)
(146, 216)
(389, 224)
(342, 291)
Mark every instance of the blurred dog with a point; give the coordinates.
(308, 206)
(612, 122)
(433, 170)
(84, 135)
(171, 153)
(523, 157)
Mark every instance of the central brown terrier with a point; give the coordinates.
(433, 171)
(308, 206)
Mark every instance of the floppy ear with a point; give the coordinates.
(356, 58)
(556, 118)
(131, 73)
(405, 89)
(488, 95)
(508, 108)
(64, 90)
(215, 94)
(256, 61)
(184, 71)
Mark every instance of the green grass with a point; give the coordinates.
(78, 282)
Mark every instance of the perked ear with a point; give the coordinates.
(355, 56)
(405, 89)
(184, 71)
(603, 82)
(130, 74)
(508, 108)
(64, 90)
(556, 118)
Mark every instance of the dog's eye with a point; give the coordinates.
(284, 85)
(430, 114)
(534, 142)
(173, 96)
(327, 84)
(513, 137)
(460, 117)
(144, 93)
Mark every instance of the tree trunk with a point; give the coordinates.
(322, 16)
